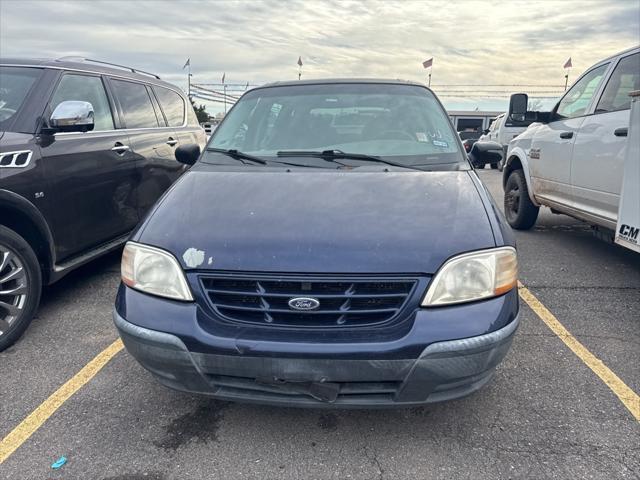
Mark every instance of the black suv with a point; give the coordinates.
(86, 148)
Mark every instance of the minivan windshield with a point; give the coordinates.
(403, 124)
(15, 83)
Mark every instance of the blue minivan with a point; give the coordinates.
(332, 246)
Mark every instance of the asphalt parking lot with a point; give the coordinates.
(546, 414)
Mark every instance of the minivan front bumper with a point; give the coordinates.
(444, 370)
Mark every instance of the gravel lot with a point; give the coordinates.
(545, 414)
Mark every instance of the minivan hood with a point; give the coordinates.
(310, 221)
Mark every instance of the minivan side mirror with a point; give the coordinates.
(72, 116)
(188, 154)
(518, 106)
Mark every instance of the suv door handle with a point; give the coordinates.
(566, 135)
(621, 132)
(171, 142)
(120, 148)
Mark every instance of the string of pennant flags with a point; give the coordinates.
(427, 64)
(567, 66)
(208, 92)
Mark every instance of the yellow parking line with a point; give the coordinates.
(36, 419)
(628, 397)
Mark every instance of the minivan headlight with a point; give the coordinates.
(473, 276)
(154, 271)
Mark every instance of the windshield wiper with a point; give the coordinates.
(238, 155)
(245, 156)
(333, 155)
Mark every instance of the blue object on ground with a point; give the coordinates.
(59, 463)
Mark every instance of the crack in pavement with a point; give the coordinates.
(373, 458)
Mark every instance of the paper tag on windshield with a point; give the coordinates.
(422, 137)
(440, 143)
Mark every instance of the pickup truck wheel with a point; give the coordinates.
(20, 286)
(521, 213)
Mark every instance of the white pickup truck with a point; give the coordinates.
(572, 158)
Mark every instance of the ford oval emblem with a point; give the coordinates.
(304, 303)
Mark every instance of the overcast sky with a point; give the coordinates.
(472, 42)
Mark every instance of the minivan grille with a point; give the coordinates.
(342, 302)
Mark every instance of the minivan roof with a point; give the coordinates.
(326, 81)
(85, 65)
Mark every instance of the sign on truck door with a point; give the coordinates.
(628, 228)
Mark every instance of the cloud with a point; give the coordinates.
(472, 42)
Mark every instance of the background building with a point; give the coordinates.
(472, 120)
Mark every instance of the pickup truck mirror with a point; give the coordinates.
(72, 116)
(485, 152)
(188, 154)
(518, 106)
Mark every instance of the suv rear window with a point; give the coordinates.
(172, 105)
(15, 83)
(136, 104)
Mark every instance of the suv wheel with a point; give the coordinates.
(521, 213)
(20, 286)
(494, 166)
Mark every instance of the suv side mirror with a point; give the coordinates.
(72, 116)
(188, 154)
(518, 106)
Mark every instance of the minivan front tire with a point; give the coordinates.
(20, 286)
(520, 211)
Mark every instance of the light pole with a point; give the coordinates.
(567, 66)
(188, 64)
(428, 64)
(224, 87)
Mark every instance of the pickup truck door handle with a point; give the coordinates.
(171, 142)
(566, 135)
(120, 148)
(621, 132)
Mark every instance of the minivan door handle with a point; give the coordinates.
(171, 142)
(566, 135)
(120, 148)
(621, 132)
